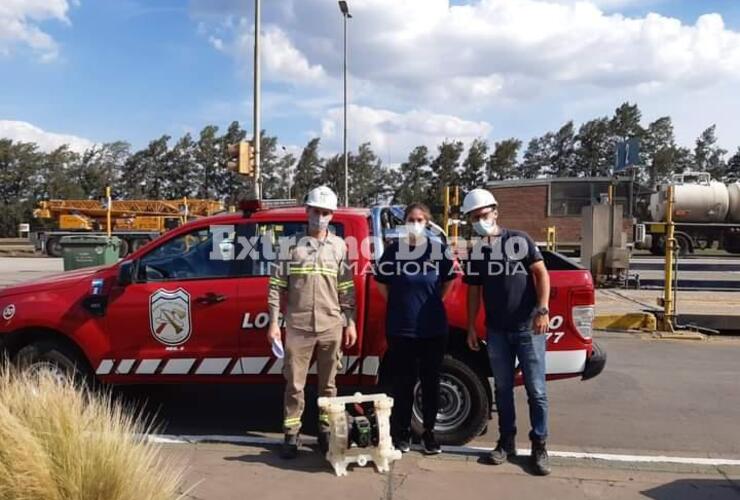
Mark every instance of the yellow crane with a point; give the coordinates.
(135, 222)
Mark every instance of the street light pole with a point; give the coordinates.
(256, 105)
(346, 15)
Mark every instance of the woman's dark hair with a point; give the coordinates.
(418, 206)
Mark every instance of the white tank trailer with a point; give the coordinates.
(705, 211)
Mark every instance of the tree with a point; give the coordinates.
(660, 150)
(445, 169)
(332, 174)
(473, 173)
(60, 175)
(563, 159)
(181, 168)
(276, 175)
(502, 164)
(708, 156)
(625, 123)
(308, 170)
(147, 173)
(102, 166)
(367, 184)
(414, 177)
(206, 158)
(594, 155)
(536, 160)
(733, 166)
(683, 160)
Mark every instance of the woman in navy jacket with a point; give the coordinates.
(414, 274)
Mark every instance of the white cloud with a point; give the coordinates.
(419, 45)
(19, 25)
(47, 141)
(395, 134)
(526, 66)
(282, 61)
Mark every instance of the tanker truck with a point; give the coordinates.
(705, 212)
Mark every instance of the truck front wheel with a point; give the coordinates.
(463, 404)
(52, 358)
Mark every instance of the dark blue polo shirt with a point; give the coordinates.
(415, 307)
(502, 269)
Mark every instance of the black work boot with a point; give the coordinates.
(289, 450)
(505, 448)
(539, 460)
(431, 447)
(323, 439)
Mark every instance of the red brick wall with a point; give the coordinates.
(525, 208)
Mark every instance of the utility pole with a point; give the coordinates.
(346, 15)
(256, 106)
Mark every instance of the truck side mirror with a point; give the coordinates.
(126, 273)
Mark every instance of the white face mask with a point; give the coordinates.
(318, 222)
(485, 227)
(415, 228)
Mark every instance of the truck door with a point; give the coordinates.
(180, 316)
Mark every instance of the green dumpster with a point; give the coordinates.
(85, 251)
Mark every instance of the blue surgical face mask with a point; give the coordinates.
(485, 226)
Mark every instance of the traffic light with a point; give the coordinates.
(241, 158)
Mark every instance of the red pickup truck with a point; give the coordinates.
(169, 313)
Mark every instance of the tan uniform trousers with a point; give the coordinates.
(299, 348)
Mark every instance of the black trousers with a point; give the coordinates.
(409, 360)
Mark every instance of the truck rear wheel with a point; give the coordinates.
(658, 245)
(463, 404)
(123, 248)
(53, 358)
(53, 248)
(684, 245)
(138, 243)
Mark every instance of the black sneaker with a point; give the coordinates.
(289, 450)
(323, 439)
(539, 460)
(402, 444)
(431, 447)
(505, 448)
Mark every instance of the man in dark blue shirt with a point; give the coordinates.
(506, 269)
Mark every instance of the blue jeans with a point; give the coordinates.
(503, 350)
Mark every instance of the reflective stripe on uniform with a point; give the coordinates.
(326, 271)
(324, 417)
(345, 285)
(279, 282)
(289, 422)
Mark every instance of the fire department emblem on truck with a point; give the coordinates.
(169, 316)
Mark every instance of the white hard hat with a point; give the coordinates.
(477, 198)
(322, 197)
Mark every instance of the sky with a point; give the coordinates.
(420, 71)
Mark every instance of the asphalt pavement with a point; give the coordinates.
(654, 397)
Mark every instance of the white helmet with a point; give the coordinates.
(477, 198)
(322, 197)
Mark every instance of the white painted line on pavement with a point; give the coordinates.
(609, 457)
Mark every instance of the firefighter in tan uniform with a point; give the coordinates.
(315, 287)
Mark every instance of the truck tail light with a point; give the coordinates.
(582, 312)
(583, 318)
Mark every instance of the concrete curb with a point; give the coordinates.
(680, 335)
(643, 321)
